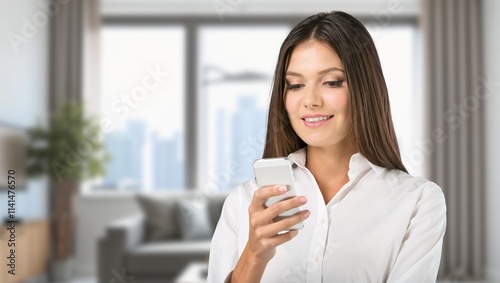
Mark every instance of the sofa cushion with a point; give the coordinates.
(166, 258)
(161, 218)
(194, 220)
(215, 204)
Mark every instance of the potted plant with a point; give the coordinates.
(68, 151)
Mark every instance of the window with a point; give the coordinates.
(236, 79)
(144, 95)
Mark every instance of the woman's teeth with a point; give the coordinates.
(317, 119)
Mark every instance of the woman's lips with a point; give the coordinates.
(316, 121)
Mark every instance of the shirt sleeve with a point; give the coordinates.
(420, 253)
(224, 246)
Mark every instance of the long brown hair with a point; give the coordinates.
(372, 127)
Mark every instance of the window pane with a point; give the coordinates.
(143, 98)
(236, 67)
(397, 48)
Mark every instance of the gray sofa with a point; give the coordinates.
(127, 253)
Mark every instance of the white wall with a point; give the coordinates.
(260, 7)
(24, 68)
(491, 43)
(93, 214)
(24, 88)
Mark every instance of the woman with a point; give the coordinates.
(365, 218)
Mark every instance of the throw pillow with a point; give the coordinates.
(160, 216)
(193, 219)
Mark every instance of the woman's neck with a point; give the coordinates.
(336, 159)
(329, 167)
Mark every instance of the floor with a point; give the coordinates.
(92, 280)
(84, 280)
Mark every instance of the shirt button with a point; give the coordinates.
(316, 258)
(322, 220)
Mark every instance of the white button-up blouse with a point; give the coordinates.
(382, 226)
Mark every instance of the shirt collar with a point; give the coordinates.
(357, 164)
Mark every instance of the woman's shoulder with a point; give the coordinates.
(402, 181)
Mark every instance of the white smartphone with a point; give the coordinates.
(277, 171)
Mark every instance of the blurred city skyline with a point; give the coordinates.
(131, 148)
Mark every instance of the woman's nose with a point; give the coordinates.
(312, 98)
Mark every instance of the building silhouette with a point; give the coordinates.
(168, 168)
(124, 171)
(239, 140)
(247, 122)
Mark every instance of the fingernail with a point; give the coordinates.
(307, 213)
(303, 199)
(282, 189)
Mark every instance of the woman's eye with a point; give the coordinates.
(334, 83)
(293, 86)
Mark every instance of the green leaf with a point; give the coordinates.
(59, 144)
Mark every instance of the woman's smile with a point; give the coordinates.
(316, 120)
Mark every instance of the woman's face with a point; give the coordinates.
(317, 95)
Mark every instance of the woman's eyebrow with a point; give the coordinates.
(332, 69)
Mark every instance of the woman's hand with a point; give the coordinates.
(263, 235)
